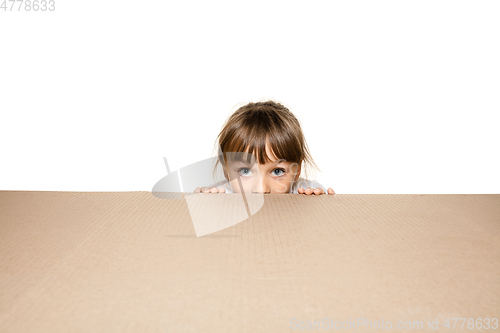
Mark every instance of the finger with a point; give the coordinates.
(197, 190)
(309, 191)
(331, 191)
(205, 190)
(300, 190)
(319, 191)
(222, 190)
(214, 189)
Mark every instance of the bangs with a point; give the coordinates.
(281, 144)
(256, 126)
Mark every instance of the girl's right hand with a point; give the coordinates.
(212, 189)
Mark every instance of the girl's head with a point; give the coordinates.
(273, 136)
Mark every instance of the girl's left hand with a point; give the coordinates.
(316, 191)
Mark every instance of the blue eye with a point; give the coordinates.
(282, 170)
(243, 169)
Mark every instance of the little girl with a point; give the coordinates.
(262, 149)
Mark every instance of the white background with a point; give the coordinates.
(393, 96)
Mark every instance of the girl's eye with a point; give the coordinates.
(243, 169)
(283, 171)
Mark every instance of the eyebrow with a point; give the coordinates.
(245, 160)
(245, 157)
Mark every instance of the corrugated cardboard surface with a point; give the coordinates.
(129, 262)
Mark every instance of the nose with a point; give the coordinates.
(261, 188)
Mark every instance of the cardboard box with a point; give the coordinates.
(130, 261)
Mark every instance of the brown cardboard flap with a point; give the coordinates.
(130, 261)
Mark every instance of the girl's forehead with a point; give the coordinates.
(253, 162)
(252, 158)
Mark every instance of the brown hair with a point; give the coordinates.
(254, 124)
